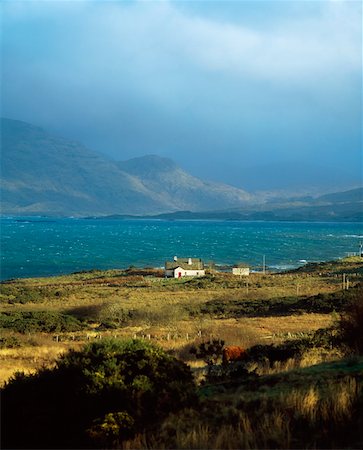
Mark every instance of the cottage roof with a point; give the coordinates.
(241, 266)
(196, 264)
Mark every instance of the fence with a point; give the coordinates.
(142, 335)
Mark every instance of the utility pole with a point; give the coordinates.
(343, 281)
(264, 264)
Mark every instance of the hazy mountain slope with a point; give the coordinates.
(339, 206)
(175, 186)
(353, 195)
(42, 173)
(45, 174)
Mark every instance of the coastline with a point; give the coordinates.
(45, 246)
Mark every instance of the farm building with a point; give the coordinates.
(184, 267)
(241, 269)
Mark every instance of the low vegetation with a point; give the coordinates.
(38, 321)
(128, 359)
(100, 395)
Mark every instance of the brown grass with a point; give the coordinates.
(244, 331)
(161, 309)
(29, 359)
(294, 420)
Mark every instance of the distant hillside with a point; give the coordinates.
(339, 206)
(178, 188)
(353, 195)
(44, 174)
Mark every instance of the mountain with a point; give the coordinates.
(177, 187)
(353, 195)
(45, 174)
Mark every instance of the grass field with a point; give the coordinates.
(298, 376)
(245, 311)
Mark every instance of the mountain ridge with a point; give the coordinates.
(314, 211)
(45, 174)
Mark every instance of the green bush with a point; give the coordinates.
(9, 342)
(96, 397)
(11, 293)
(327, 303)
(294, 348)
(210, 352)
(39, 321)
(232, 308)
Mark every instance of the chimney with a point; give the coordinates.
(175, 258)
(190, 261)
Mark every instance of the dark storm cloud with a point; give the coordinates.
(217, 95)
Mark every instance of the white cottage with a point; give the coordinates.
(241, 270)
(184, 267)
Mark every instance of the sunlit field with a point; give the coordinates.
(303, 369)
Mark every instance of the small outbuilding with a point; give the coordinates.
(241, 270)
(184, 267)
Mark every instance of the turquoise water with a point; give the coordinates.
(40, 246)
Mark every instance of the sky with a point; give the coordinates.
(258, 94)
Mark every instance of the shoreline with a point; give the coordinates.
(220, 268)
(126, 218)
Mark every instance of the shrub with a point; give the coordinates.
(9, 342)
(11, 293)
(39, 321)
(228, 307)
(114, 315)
(294, 348)
(112, 428)
(95, 397)
(210, 352)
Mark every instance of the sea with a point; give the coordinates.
(44, 246)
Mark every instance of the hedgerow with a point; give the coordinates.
(39, 321)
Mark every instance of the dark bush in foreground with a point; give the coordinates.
(95, 398)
